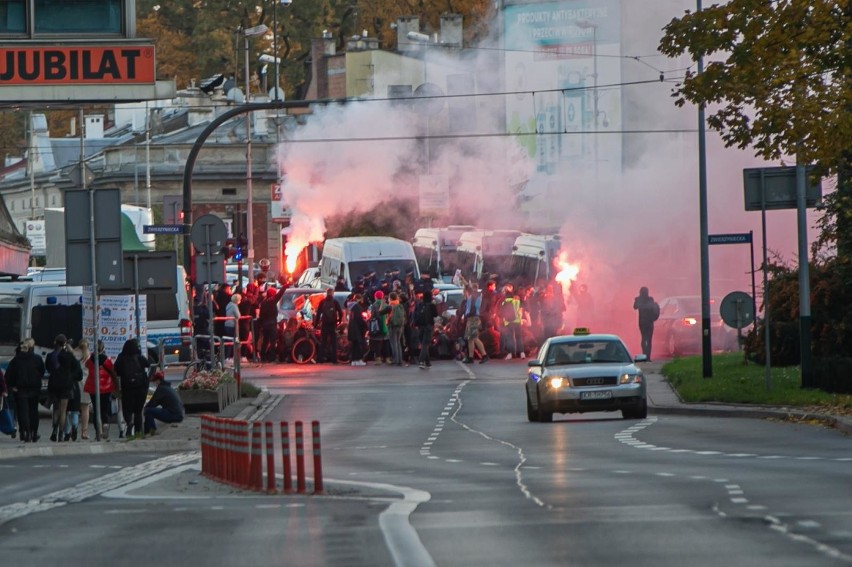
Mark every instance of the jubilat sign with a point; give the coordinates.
(78, 64)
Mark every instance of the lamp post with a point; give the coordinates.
(247, 33)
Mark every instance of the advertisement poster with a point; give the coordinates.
(117, 320)
(563, 66)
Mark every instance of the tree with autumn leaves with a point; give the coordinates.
(778, 79)
(196, 40)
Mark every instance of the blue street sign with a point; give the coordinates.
(741, 238)
(162, 229)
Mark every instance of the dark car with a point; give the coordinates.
(678, 330)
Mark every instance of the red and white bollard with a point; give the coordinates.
(285, 457)
(256, 473)
(317, 449)
(270, 460)
(300, 459)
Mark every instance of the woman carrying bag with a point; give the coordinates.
(107, 383)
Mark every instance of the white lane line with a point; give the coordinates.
(736, 493)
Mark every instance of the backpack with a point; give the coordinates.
(397, 317)
(133, 375)
(421, 315)
(329, 313)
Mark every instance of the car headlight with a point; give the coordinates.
(556, 382)
(630, 379)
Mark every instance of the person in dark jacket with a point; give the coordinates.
(424, 319)
(164, 405)
(63, 369)
(24, 377)
(328, 316)
(131, 368)
(649, 312)
(357, 331)
(268, 321)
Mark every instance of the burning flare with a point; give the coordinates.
(567, 271)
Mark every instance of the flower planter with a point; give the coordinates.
(218, 399)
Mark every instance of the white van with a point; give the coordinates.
(42, 310)
(534, 256)
(355, 257)
(436, 249)
(488, 251)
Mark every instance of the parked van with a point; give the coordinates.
(437, 250)
(534, 255)
(357, 256)
(42, 310)
(486, 251)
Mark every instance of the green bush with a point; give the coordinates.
(833, 374)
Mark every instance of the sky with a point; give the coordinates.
(624, 227)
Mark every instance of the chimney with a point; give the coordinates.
(404, 25)
(451, 30)
(94, 127)
(328, 46)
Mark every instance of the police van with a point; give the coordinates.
(357, 257)
(44, 309)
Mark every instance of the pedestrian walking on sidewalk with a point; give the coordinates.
(649, 311)
(23, 376)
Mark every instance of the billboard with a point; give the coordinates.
(78, 64)
(563, 74)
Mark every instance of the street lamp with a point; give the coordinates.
(247, 33)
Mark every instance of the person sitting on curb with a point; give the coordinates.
(164, 405)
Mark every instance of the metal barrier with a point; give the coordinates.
(238, 453)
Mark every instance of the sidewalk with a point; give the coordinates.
(184, 436)
(664, 400)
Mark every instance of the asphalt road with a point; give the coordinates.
(441, 467)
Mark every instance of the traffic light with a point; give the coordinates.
(240, 246)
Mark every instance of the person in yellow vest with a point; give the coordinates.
(510, 313)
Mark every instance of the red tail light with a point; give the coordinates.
(185, 331)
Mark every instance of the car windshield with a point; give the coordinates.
(586, 352)
(380, 268)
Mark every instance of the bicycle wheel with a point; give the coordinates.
(304, 350)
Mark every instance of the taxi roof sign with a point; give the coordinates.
(581, 331)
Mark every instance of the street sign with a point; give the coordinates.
(162, 229)
(107, 228)
(738, 238)
(737, 309)
(209, 226)
(777, 186)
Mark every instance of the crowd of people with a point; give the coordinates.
(388, 320)
(78, 401)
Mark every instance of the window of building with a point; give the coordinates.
(13, 17)
(78, 16)
(62, 17)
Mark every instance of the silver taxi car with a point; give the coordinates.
(582, 373)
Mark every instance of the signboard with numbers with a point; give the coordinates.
(116, 320)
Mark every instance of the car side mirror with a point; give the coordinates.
(640, 358)
(534, 362)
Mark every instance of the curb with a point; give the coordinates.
(841, 424)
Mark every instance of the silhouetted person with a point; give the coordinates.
(649, 312)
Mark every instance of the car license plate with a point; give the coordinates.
(596, 395)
